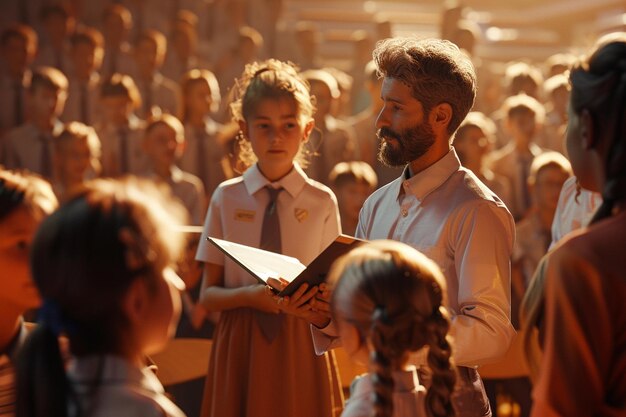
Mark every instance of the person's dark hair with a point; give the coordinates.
(599, 86)
(395, 297)
(353, 172)
(19, 189)
(24, 32)
(48, 77)
(435, 70)
(121, 85)
(84, 258)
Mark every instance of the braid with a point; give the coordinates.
(438, 397)
(380, 360)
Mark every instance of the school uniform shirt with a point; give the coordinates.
(574, 210)
(446, 213)
(204, 160)
(158, 92)
(508, 163)
(309, 219)
(582, 371)
(13, 100)
(82, 102)
(408, 395)
(188, 189)
(123, 390)
(27, 147)
(117, 141)
(7, 373)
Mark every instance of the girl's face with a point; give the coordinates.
(199, 99)
(162, 145)
(276, 131)
(73, 160)
(16, 285)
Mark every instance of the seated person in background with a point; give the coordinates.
(102, 264)
(76, 158)
(120, 130)
(332, 141)
(524, 115)
(29, 146)
(473, 141)
(25, 200)
(84, 80)
(352, 182)
(388, 301)
(163, 144)
(158, 93)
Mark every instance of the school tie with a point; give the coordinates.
(123, 137)
(18, 104)
(201, 161)
(46, 157)
(269, 323)
(84, 104)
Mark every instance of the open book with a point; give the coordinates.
(264, 264)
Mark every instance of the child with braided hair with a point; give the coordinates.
(388, 301)
(580, 312)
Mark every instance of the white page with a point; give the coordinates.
(262, 263)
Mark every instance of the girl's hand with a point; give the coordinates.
(261, 298)
(302, 304)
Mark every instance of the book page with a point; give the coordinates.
(260, 263)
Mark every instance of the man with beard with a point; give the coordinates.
(439, 207)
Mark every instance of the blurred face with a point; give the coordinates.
(351, 196)
(47, 103)
(73, 160)
(548, 187)
(472, 146)
(16, 234)
(17, 55)
(86, 59)
(117, 109)
(323, 98)
(147, 57)
(115, 30)
(162, 145)
(404, 133)
(163, 313)
(522, 127)
(276, 132)
(183, 42)
(198, 99)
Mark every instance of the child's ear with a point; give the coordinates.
(136, 302)
(308, 128)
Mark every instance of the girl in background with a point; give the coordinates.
(388, 301)
(102, 266)
(263, 362)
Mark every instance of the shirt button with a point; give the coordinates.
(404, 212)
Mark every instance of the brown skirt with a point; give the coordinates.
(251, 377)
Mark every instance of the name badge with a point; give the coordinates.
(244, 215)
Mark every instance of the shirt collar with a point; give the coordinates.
(16, 343)
(423, 183)
(293, 182)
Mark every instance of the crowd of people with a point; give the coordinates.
(491, 205)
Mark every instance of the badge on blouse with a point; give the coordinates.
(244, 215)
(301, 214)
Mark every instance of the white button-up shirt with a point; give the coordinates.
(309, 219)
(449, 215)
